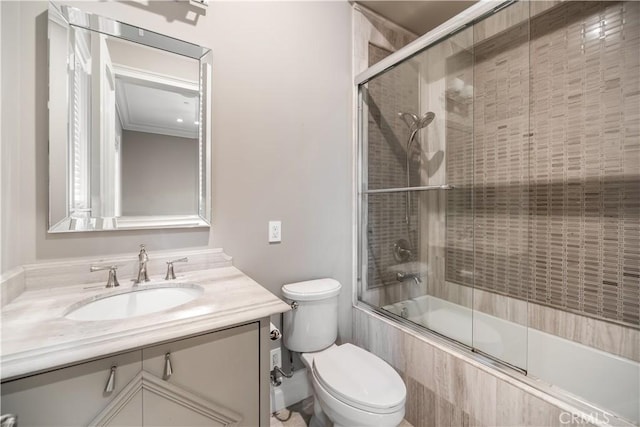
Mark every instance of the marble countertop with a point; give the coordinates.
(36, 337)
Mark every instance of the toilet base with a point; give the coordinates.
(337, 411)
(319, 418)
(315, 422)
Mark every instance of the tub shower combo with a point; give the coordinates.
(499, 193)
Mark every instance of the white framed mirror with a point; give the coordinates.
(129, 127)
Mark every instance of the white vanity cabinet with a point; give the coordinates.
(214, 381)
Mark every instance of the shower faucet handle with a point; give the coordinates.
(170, 273)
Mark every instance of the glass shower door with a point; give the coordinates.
(411, 117)
(443, 201)
(501, 263)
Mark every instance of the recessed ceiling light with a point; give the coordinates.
(196, 122)
(179, 120)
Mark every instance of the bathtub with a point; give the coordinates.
(608, 381)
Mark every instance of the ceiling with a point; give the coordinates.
(418, 17)
(153, 108)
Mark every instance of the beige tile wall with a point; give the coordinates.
(556, 192)
(446, 387)
(585, 159)
(388, 94)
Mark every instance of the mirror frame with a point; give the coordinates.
(60, 219)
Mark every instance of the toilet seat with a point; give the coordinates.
(360, 379)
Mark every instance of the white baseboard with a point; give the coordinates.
(292, 390)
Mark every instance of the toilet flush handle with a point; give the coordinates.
(294, 305)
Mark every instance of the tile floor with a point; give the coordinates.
(296, 415)
(299, 415)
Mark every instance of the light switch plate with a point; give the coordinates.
(275, 231)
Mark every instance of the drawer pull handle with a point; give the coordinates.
(111, 382)
(168, 369)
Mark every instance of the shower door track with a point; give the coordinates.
(406, 189)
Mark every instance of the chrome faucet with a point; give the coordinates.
(143, 273)
(401, 277)
(170, 273)
(112, 281)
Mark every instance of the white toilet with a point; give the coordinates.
(352, 387)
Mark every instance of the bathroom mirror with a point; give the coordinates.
(129, 126)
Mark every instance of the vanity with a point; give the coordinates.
(203, 362)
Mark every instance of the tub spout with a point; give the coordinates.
(402, 276)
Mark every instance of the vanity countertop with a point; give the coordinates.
(36, 337)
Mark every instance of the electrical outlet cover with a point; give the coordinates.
(275, 231)
(275, 358)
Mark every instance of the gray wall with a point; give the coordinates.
(10, 148)
(159, 174)
(281, 138)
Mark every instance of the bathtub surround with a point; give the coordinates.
(600, 378)
(616, 339)
(537, 117)
(607, 336)
(450, 388)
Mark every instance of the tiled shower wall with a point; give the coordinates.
(387, 137)
(556, 192)
(387, 134)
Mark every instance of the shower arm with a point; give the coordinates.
(407, 200)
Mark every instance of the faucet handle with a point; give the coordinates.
(112, 281)
(170, 273)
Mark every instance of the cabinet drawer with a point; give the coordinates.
(221, 367)
(72, 396)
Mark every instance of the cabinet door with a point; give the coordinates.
(220, 368)
(74, 396)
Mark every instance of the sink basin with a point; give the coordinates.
(134, 302)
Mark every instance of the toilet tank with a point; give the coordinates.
(313, 325)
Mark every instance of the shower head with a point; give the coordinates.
(426, 120)
(410, 119)
(414, 123)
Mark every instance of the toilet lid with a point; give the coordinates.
(360, 378)
(311, 290)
